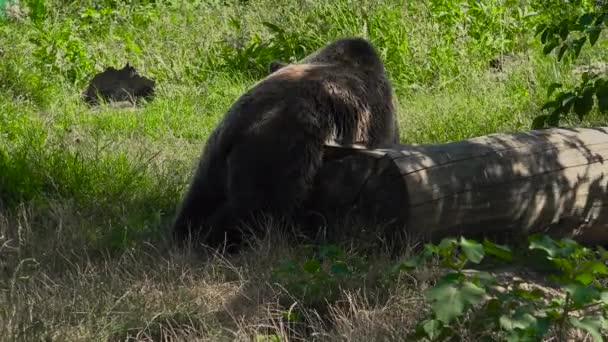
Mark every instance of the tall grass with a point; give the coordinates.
(86, 194)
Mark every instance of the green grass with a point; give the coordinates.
(86, 195)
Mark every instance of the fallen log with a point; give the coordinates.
(549, 180)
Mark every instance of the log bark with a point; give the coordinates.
(549, 180)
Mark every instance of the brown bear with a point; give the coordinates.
(263, 156)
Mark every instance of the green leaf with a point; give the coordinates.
(591, 325)
(545, 35)
(586, 19)
(594, 34)
(594, 267)
(450, 299)
(501, 252)
(584, 103)
(545, 243)
(552, 88)
(432, 328)
(585, 278)
(550, 46)
(521, 320)
(578, 45)
(582, 295)
(446, 247)
(568, 99)
(532, 295)
(472, 249)
(604, 297)
(312, 266)
(540, 28)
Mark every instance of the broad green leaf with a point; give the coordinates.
(449, 300)
(447, 244)
(578, 45)
(586, 19)
(545, 243)
(502, 252)
(432, 328)
(582, 295)
(568, 99)
(540, 28)
(592, 325)
(604, 297)
(520, 320)
(472, 249)
(312, 266)
(445, 248)
(594, 267)
(548, 31)
(484, 279)
(532, 295)
(552, 88)
(594, 34)
(585, 278)
(570, 248)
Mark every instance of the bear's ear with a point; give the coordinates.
(275, 65)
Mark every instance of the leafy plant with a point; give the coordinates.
(320, 277)
(252, 57)
(568, 36)
(62, 52)
(519, 312)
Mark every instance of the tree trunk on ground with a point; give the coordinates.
(546, 180)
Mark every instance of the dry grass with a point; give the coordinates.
(53, 290)
(86, 193)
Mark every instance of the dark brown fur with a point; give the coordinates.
(119, 85)
(263, 156)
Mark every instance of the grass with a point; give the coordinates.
(86, 195)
